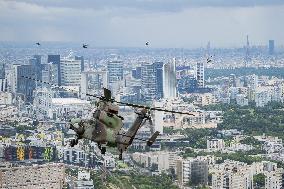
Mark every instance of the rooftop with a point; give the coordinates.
(69, 101)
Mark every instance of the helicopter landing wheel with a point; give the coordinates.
(103, 150)
(72, 142)
(120, 155)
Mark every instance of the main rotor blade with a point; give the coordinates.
(112, 100)
(151, 108)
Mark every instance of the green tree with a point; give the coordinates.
(259, 180)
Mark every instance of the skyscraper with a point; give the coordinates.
(55, 68)
(200, 74)
(148, 80)
(2, 77)
(247, 56)
(169, 79)
(152, 80)
(115, 71)
(22, 85)
(159, 78)
(271, 47)
(70, 71)
(35, 62)
(81, 58)
(136, 73)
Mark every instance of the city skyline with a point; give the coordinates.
(183, 24)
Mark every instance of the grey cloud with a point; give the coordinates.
(119, 24)
(152, 5)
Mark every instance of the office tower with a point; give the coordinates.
(148, 81)
(2, 78)
(169, 79)
(271, 47)
(99, 82)
(133, 73)
(46, 74)
(2, 71)
(247, 56)
(37, 176)
(187, 84)
(70, 71)
(115, 71)
(159, 67)
(81, 58)
(36, 63)
(22, 85)
(200, 74)
(55, 68)
(136, 73)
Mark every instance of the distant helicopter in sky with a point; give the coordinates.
(85, 45)
(209, 59)
(38, 44)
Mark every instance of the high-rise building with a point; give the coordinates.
(36, 63)
(232, 175)
(2, 71)
(99, 79)
(55, 68)
(46, 74)
(199, 172)
(159, 67)
(22, 85)
(169, 79)
(192, 170)
(271, 47)
(136, 73)
(2, 78)
(158, 118)
(200, 74)
(187, 84)
(81, 58)
(70, 71)
(247, 56)
(274, 179)
(115, 71)
(148, 80)
(232, 80)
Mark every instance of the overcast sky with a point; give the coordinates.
(126, 23)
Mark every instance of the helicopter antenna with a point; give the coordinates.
(109, 99)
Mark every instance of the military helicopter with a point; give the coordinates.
(105, 125)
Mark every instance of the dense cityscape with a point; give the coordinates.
(232, 139)
(141, 94)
